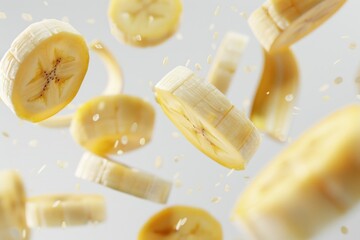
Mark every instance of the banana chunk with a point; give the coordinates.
(12, 207)
(207, 118)
(181, 222)
(123, 178)
(65, 210)
(280, 23)
(144, 23)
(43, 69)
(309, 184)
(113, 124)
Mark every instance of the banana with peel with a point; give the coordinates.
(308, 185)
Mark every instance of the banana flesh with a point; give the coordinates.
(276, 94)
(207, 118)
(309, 184)
(42, 72)
(123, 178)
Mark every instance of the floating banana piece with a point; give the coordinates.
(227, 60)
(43, 69)
(65, 210)
(144, 23)
(12, 207)
(280, 23)
(123, 178)
(114, 84)
(113, 124)
(207, 118)
(276, 95)
(180, 223)
(311, 183)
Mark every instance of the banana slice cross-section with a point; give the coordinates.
(276, 94)
(207, 118)
(123, 178)
(180, 223)
(144, 23)
(43, 69)
(280, 23)
(65, 210)
(227, 60)
(309, 184)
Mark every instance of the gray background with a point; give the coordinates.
(322, 56)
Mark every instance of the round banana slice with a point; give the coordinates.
(123, 178)
(180, 223)
(207, 118)
(113, 124)
(43, 69)
(144, 23)
(65, 210)
(12, 207)
(280, 23)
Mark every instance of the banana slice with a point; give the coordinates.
(123, 178)
(65, 210)
(309, 184)
(280, 23)
(12, 207)
(227, 60)
(276, 94)
(144, 23)
(207, 118)
(114, 84)
(113, 124)
(180, 223)
(43, 69)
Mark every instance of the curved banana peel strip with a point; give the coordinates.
(280, 23)
(309, 184)
(123, 178)
(276, 94)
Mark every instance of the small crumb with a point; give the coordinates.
(180, 223)
(352, 45)
(165, 61)
(5, 134)
(337, 61)
(62, 164)
(33, 143)
(217, 11)
(96, 117)
(124, 140)
(344, 230)
(216, 200)
(216, 35)
(289, 98)
(324, 87)
(209, 59)
(116, 143)
(187, 63)
(158, 162)
(177, 159)
(338, 80)
(41, 169)
(227, 188)
(179, 36)
(198, 67)
(230, 172)
(120, 152)
(3, 15)
(27, 17)
(142, 141)
(90, 21)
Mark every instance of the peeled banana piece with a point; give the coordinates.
(144, 23)
(276, 94)
(113, 124)
(123, 178)
(207, 118)
(280, 23)
(65, 210)
(43, 69)
(308, 185)
(227, 60)
(180, 223)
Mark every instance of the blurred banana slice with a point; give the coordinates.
(113, 124)
(43, 69)
(276, 94)
(207, 118)
(180, 223)
(308, 185)
(144, 23)
(280, 23)
(227, 60)
(123, 178)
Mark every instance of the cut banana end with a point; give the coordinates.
(114, 84)
(276, 94)
(12, 207)
(311, 183)
(146, 22)
(181, 222)
(207, 118)
(123, 178)
(43, 69)
(113, 124)
(280, 23)
(65, 210)
(227, 60)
